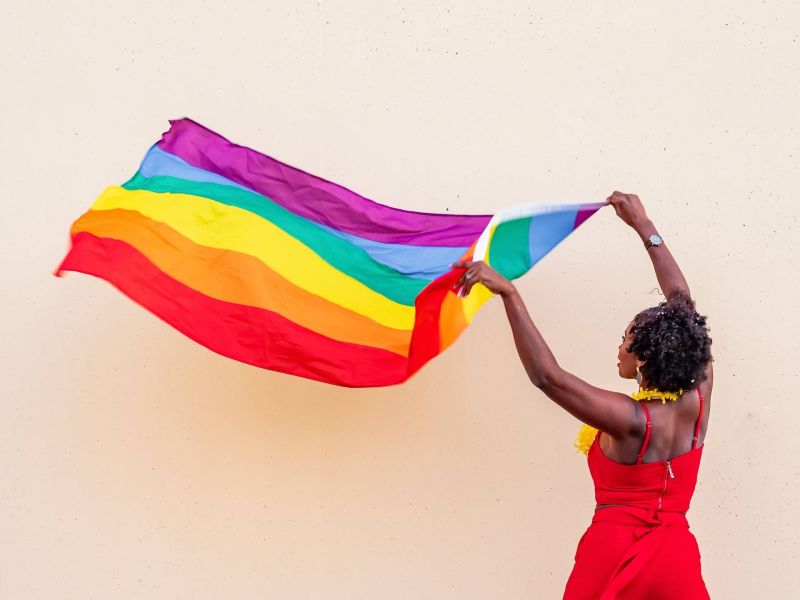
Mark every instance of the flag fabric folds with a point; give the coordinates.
(272, 266)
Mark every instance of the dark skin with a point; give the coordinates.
(620, 418)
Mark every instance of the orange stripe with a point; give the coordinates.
(452, 320)
(239, 278)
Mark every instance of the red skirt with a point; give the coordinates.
(630, 553)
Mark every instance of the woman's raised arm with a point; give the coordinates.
(595, 406)
(630, 209)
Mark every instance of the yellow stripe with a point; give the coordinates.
(487, 259)
(478, 296)
(218, 225)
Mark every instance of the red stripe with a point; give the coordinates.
(251, 335)
(425, 342)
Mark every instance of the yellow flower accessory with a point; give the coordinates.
(651, 394)
(585, 438)
(587, 433)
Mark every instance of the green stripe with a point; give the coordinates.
(337, 252)
(509, 251)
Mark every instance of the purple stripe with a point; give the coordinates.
(586, 211)
(315, 198)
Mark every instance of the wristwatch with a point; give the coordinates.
(655, 240)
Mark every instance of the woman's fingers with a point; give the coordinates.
(616, 197)
(465, 277)
(471, 281)
(466, 281)
(475, 272)
(461, 264)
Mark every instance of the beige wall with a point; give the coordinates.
(136, 464)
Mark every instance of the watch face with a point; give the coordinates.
(655, 239)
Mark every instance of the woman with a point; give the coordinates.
(644, 459)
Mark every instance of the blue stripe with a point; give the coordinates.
(157, 162)
(547, 230)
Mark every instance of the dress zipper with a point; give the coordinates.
(667, 473)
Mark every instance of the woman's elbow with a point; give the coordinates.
(543, 380)
(548, 379)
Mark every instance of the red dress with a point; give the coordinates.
(641, 549)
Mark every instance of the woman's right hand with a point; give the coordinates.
(628, 207)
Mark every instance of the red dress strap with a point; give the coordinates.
(699, 418)
(646, 435)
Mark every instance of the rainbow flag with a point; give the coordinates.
(272, 266)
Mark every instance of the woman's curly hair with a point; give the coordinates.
(673, 340)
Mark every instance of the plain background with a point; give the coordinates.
(135, 463)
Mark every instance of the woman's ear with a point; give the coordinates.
(639, 376)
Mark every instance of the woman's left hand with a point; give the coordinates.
(480, 272)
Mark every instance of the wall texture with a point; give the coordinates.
(136, 464)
